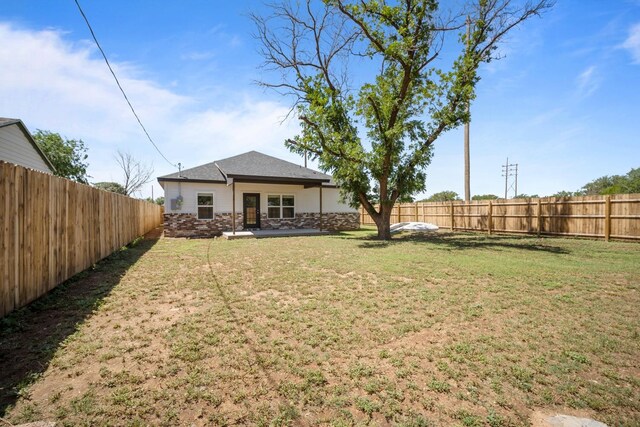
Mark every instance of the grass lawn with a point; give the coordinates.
(436, 330)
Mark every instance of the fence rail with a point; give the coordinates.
(616, 216)
(52, 228)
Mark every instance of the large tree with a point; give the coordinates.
(68, 156)
(135, 173)
(409, 98)
(114, 187)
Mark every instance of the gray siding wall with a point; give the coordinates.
(16, 148)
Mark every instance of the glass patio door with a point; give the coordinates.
(251, 210)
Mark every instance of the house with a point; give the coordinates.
(17, 146)
(252, 191)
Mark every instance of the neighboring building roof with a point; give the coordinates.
(250, 167)
(8, 122)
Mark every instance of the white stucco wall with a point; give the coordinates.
(306, 200)
(16, 148)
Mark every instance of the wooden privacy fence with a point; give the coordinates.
(616, 216)
(52, 228)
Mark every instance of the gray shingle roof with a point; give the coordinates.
(251, 166)
(4, 121)
(208, 172)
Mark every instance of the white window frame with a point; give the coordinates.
(280, 206)
(198, 206)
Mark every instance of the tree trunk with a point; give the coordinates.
(383, 222)
(381, 218)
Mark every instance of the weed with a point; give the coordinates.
(413, 420)
(359, 370)
(576, 357)
(468, 419)
(315, 378)
(522, 378)
(367, 405)
(495, 420)
(439, 386)
(85, 404)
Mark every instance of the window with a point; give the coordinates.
(205, 205)
(280, 206)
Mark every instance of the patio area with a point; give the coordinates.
(260, 234)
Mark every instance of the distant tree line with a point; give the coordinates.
(615, 184)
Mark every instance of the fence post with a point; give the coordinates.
(539, 217)
(452, 224)
(399, 208)
(415, 206)
(490, 217)
(607, 218)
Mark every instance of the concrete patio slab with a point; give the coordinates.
(260, 234)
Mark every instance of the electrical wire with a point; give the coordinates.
(95, 39)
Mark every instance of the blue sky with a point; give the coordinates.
(563, 103)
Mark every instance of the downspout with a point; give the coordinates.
(233, 206)
(320, 206)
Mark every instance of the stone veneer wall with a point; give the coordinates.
(188, 225)
(334, 221)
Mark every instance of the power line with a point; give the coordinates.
(119, 85)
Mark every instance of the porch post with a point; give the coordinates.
(233, 206)
(321, 207)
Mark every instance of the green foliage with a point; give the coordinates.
(406, 199)
(527, 196)
(443, 196)
(615, 184)
(157, 201)
(404, 107)
(68, 156)
(114, 187)
(565, 194)
(485, 197)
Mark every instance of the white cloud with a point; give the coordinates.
(54, 84)
(588, 81)
(248, 125)
(632, 43)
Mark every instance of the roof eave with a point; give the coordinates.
(276, 179)
(211, 181)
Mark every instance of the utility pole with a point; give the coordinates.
(467, 162)
(507, 171)
(516, 195)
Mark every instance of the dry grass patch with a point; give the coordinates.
(444, 329)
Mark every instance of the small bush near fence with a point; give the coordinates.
(616, 216)
(53, 228)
